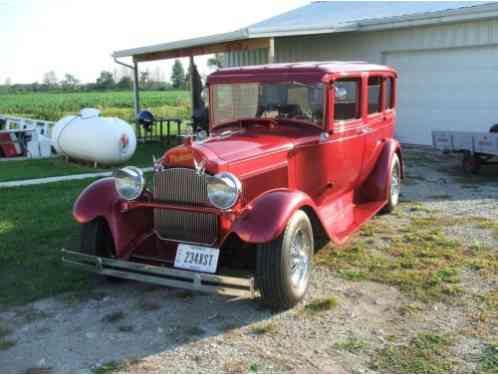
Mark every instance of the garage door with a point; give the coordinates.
(445, 89)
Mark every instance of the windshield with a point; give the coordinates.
(291, 100)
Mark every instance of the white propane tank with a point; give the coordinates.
(89, 137)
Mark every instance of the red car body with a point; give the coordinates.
(338, 172)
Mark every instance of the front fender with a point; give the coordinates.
(97, 200)
(376, 185)
(266, 216)
(101, 200)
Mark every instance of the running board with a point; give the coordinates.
(203, 282)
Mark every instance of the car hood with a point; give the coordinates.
(241, 144)
(246, 144)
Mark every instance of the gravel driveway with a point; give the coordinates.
(343, 325)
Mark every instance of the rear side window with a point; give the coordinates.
(374, 95)
(389, 93)
(347, 99)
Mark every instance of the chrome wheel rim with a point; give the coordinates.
(300, 261)
(395, 185)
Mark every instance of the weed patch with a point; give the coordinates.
(415, 256)
(320, 305)
(489, 359)
(265, 329)
(109, 367)
(352, 345)
(425, 353)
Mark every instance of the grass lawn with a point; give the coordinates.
(35, 223)
(27, 169)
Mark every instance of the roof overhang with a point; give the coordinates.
(254, 38)
(228, 42)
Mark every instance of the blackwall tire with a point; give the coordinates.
(394, 185)
(283, 266)
(96, 239)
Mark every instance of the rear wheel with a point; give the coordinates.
(394, 185)
(283, 266)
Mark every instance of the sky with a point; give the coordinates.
(79, 36)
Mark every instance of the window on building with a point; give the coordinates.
(374, 92)
(347, 99)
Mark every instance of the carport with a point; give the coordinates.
(238, 41)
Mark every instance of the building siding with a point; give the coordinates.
(371, 46)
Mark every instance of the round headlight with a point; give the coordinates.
(129, 182)
(224, 190)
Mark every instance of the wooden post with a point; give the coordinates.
(271, 51)
(191, 70)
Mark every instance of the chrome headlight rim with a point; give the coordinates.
(230, 180)
(122, 178)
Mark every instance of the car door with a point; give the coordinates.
(379, 120)
(346, 141)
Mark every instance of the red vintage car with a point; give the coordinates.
(294, 151)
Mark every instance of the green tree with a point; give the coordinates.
(178, 75)
(105, 81)
(124, 83)
(69, 82)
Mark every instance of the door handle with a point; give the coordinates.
(366, 130)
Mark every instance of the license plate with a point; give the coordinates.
(197, 258)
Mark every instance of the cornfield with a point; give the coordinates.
(53, 106)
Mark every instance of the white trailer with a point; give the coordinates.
(23, 137)
(477, 148)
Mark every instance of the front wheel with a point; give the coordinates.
(96, 239)
(283, 265)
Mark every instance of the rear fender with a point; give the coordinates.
(375, 187)
(101, 200)
(266, 216)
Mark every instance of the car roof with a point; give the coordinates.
(312, 70)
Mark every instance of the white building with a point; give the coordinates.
(446, 54)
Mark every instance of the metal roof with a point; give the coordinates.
(337, 16)
(345, 15)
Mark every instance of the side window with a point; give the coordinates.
(347, 99)
(389, 93)
(374, 92)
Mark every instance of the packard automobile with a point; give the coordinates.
(295, 152)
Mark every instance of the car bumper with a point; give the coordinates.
(175, 278)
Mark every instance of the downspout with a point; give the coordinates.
(136, 88)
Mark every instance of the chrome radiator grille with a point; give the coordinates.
(183, 186)
(196, 227)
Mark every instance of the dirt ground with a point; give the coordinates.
(371, 308)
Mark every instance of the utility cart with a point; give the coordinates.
(477, 148)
